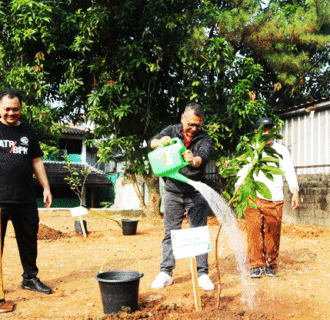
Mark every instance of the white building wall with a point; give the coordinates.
(125, 196)
(306, 135)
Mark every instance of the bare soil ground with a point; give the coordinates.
(68, 263)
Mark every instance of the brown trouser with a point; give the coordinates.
(263, 232)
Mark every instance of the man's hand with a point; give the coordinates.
(165, 140)
(39, 170)
(155, 143)
(188, 156)
(48, 198)
(295, 202)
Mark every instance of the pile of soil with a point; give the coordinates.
(47, 233)
(173, 311)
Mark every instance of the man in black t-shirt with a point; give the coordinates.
(20, 157)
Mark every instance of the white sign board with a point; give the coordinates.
(78, 211)
(190, 242)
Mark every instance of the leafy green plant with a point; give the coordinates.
(77, 181)
(251, 152)
(106, 204)
(107, 217)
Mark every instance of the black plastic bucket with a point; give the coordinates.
(77, 226)
(119, 289)
(129, 226)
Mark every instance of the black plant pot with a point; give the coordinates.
(77, 226)
(129, 226)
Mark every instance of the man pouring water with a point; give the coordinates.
(179, 196)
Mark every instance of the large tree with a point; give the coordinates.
(290, 39)
(25, 44)
(132, 65)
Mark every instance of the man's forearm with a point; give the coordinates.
(40, 172)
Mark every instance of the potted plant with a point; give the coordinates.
(128, 225)
(77, 183)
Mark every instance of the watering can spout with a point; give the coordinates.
(178, 176)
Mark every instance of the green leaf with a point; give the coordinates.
(252, 204)
(226, 195)
(269, 176)
(263, 190)
(271, 170)
(272, 152)
(240, 210)
(227, 172)
(269, 159)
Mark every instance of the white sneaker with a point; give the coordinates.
(162, 280)
(205, 282)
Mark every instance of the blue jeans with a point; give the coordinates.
(174, 207)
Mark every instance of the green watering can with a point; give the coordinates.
(168, 160)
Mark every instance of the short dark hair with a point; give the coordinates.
(197, 108)
(11, 93)
(267, 122)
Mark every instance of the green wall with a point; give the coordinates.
(60, 202)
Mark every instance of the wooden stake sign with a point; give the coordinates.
(193, 267)
(78, 212)
(191, 243)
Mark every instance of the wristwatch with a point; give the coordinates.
(193, 163)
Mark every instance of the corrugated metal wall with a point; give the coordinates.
(307, 138)
(211, 171)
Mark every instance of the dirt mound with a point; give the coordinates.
(156, 311)
(47, 233)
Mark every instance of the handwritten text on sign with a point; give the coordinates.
(190, 242)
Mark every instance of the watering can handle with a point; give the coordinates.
(175, 140)
(121, 250)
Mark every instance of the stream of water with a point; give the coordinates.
(235, 237)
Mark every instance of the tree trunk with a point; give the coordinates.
(153, 206)
(138, 192)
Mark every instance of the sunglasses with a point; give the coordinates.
(193, 125)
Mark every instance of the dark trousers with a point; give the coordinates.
(25, 220)
(264, 232)
(174, 207)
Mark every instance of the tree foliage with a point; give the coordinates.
(290, 39)
(132, 66)
(25, 41)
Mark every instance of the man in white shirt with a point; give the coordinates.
(264, 223)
